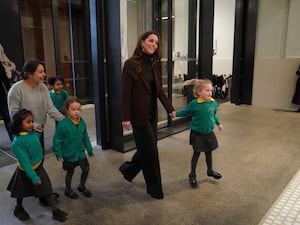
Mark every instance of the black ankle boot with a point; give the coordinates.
(123, 169)
(158, 195)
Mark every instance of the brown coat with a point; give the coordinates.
(136, 93)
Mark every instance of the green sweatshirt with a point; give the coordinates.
(58, 99)
(70, 141)
(29, 152)
(203, 115)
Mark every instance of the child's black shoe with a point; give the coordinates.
(214, 174)
(193, 181)
(44, 202)
(20, 213)
(59, 215)
(71, 194)
(85, 192)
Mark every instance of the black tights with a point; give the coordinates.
(50, 199)
(83, 178)
(194, 161)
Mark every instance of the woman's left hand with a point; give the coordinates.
(126, 124)
(172, 114)
(38, 183)
(221, 127)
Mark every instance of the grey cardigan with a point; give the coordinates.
(37, 100)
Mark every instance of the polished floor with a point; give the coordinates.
(258, 156)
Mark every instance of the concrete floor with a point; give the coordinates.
(258, 156)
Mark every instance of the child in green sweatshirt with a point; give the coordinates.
(203, 110)
(30, 177)
(70, 141)
(57, 93)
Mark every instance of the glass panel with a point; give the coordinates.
(162, 115)
(223, 48)
(74, 47)
(37, 32)
(136, 17)
(81, 48)
(65, 44)
(179, 49)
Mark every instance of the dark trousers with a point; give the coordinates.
(4, 87)
(146, 158)
(4, 110)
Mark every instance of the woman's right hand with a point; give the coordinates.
(38, 183)
(126, 124)
(39, 128)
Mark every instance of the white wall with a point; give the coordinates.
(223, 36)
(293, 32)
(274, 68)
(274, 83)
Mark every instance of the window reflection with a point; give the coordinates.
(63, 26)
(37, 32)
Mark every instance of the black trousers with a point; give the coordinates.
(4, 88)
(146, 158)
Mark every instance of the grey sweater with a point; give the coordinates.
(37, 100)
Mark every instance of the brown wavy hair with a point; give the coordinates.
(138, 49)
(137, 54)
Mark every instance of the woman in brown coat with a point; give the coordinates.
(141, 86)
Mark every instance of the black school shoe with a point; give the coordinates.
(20, 213)
(85, 192)
(44, 202)
(214, 174)
(59, 215)
(193, 181)
(71, 194)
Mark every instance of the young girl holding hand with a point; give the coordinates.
(203, 110)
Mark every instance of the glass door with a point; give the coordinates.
(57, 33)
(37, 32)
(179, 37)
(74, 47)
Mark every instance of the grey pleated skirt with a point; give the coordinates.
(203, 142)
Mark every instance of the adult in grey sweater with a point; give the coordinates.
(31, 93)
